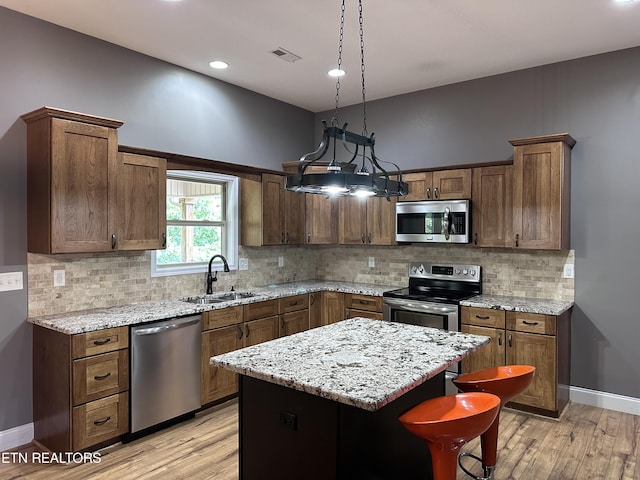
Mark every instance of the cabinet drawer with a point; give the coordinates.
(100, 341)
(483, 317)
(260, 310)
(531, 323)
(292, 304)
(100, 420)
(363, 302)
(352, 313)
(222, 318)
(100, 376)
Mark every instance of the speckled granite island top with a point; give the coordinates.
(360, 362)
(518, 304)
(136, 313)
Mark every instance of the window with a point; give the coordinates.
(202, 221)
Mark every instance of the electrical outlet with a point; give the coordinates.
(281, 261)
(243, 264)
(11, 281)
(568, 271)
(58, 278)
(372, 262)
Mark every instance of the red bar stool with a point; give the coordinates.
(447, 423)
(506, 382)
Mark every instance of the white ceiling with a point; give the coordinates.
(410, 45)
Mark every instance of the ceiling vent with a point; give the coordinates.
(286, 55)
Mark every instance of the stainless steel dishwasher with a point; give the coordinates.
(165, 371)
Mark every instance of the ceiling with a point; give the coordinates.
(410, 45)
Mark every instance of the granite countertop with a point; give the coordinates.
(136, 313)
(519, 304)
(360, 362)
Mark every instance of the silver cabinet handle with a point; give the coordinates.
(428, 193)
(435, 192)
(114, 241)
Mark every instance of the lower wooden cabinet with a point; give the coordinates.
(80, 388)
(525, 339)
(217, 382)
(358, 305)
(332, 307)
(100, 420)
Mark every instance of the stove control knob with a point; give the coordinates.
(457, 271)
(414, 269)
(473, 273)
(464, 272)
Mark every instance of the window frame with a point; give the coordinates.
(232, 214)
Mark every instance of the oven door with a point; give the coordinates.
(427, 314)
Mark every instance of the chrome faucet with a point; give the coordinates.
(210, 278)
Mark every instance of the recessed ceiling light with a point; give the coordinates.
(625, 1)
(218, 64)
(336, 72)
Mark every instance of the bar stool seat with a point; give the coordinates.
(507, 382)
(446, 423)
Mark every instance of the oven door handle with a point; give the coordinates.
(419, 306)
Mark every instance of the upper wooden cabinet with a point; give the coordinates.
(72, 170)
(438, 185)
(491, 206)
(367, 221)
(82, 195)
(541, 192)
(142, 196)
(270, 214)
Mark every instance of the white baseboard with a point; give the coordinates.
(16, 436)
(610, 401)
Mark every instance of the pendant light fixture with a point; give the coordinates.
(362, 175)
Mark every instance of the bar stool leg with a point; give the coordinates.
(444, 460)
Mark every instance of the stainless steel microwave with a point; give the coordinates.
(437, 221)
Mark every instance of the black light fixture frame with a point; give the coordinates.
(340, 179)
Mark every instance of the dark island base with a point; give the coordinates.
(292, 435)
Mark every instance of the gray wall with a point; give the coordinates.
(595, 99)
(164, 108)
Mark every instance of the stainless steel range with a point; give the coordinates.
(432, 299)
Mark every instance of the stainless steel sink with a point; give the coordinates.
(218, 298)
(201, 300)
(235, 295)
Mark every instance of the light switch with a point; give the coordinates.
(568, 271)
(58, 278)
(11, 281)
(281, 261)
(243, 264)
(372, 262)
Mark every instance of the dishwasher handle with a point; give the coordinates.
(172, 326)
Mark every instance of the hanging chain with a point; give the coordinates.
(334, 120)
(365, 133)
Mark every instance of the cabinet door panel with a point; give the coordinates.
(539, 351)
(315, 309)
(293, 322)
(452, 184)
(142, 196)
(294, 207)
(353, 221)
(490, 355)
(381, 218)
(218, 382)
(321, 219)
(492, 215)
(84, 166)
(259, 331)
(272, 209)
(420, 186)
(332, 307)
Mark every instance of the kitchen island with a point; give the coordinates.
(323, 404)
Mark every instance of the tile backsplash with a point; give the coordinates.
(109, 279)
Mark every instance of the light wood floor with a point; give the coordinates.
(587, 443)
